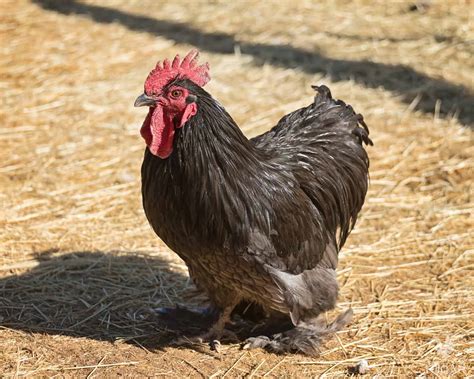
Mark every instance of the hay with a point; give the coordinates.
(80, 269)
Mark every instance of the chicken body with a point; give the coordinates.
(262, 220)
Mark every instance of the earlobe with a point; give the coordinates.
(189, 111)
(191, 99)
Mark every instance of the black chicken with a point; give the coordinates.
(260, 220)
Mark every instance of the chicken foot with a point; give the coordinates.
(305, 338)
(215, 333)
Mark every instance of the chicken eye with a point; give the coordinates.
(176, 93)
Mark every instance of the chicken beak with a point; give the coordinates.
(144, 100)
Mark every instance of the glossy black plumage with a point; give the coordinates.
(262, 220)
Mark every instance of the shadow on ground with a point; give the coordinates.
(112, 296)
(104, 296)
(410, 85)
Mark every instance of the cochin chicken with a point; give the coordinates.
(257, 221)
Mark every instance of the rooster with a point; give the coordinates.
(257, 221)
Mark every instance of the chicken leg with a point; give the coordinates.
(304, 338)
(216, 332)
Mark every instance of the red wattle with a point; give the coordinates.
(158, 132)
(158, 129)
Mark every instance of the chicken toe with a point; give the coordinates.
(305, 338)
(215, 333)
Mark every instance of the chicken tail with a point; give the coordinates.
(324, 95)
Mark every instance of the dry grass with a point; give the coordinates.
(79, 266)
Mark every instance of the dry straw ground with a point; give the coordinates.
(80, 267)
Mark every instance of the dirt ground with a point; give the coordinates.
(80, 268)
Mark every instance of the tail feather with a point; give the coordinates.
(325, 144)
(324, 95)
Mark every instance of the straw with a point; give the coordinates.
(80, 268)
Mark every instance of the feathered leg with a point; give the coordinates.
(304, 338)
(216, 332)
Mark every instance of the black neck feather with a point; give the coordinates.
(203, 178)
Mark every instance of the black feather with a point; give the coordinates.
(261, 220)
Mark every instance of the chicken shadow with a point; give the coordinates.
(422, 92)
(101, 295)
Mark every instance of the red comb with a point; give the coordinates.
(185, 69)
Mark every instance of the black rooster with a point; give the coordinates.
(256, 221)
